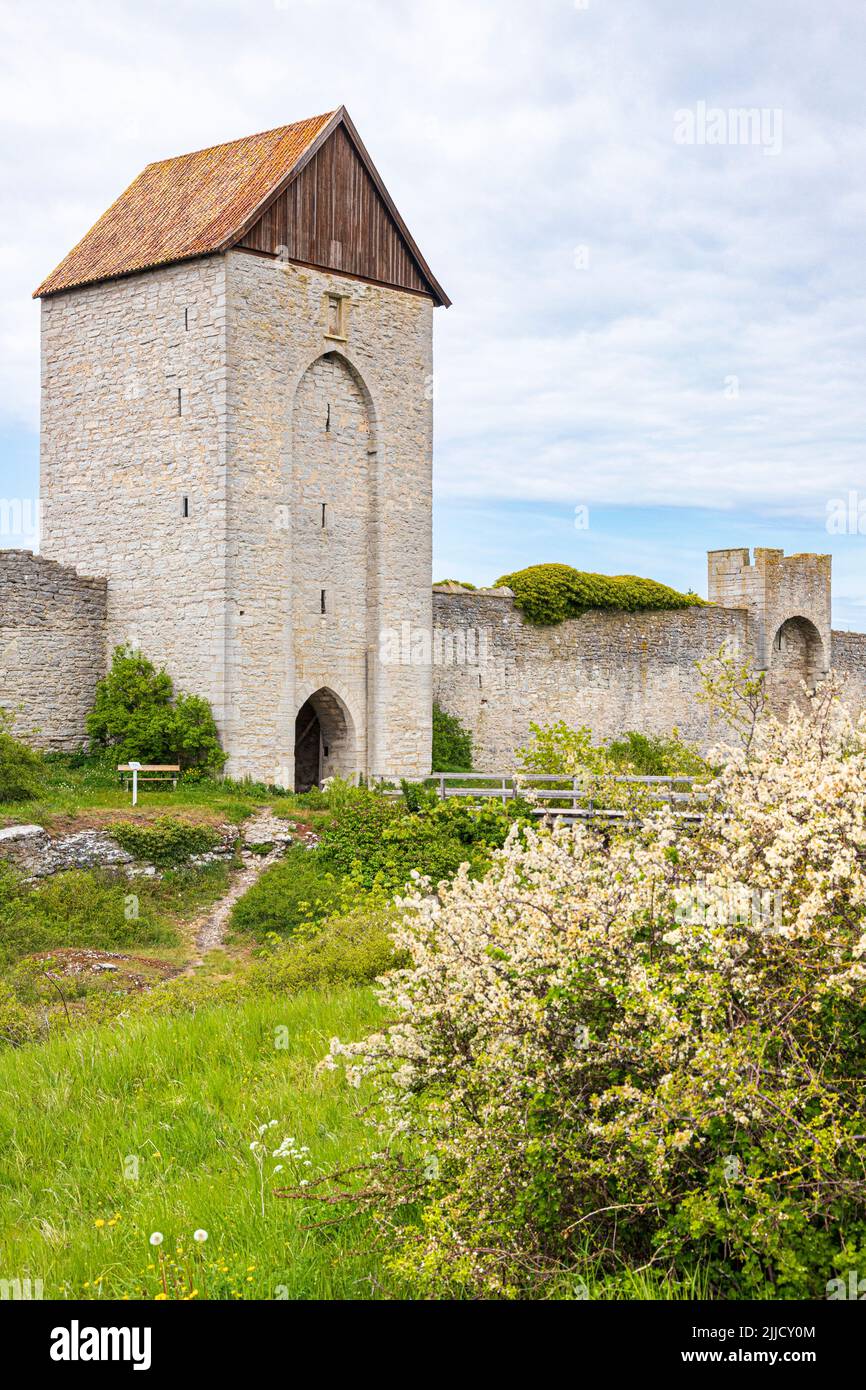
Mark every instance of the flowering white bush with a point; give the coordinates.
(579, 1070)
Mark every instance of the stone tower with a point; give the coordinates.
(237, 434)
(788, 600)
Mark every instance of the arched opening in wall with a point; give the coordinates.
(796, 658)
(324, 740)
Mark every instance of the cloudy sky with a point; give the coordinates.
(659, 310)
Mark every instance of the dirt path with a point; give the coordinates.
(261, 829)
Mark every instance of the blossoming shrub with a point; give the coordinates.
(641, 1051)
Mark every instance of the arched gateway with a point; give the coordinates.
(797, 659)
(325, 742)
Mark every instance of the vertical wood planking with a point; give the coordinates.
(334, 200)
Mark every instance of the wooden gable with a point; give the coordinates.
(335, 214)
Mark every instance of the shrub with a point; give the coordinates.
(352, 948)
(382, 844)
(645, 1048)
(135, 713)
(313, 800)
(478, 824)
(548, 594)
(337, 791)
(452, 744)
(648, 755)
(377, 845)
(416, 796)
(558, 749)
(166, 842)
(357, 835)
(21, 768)
(297, 893)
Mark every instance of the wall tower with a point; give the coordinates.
(237, 433)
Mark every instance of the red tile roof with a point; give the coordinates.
(188, 206)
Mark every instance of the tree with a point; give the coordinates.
(135, 711)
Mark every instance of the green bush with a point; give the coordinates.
(353, 948)
(452, 744)
(166, 842)
(298, 892)
(357, 835)
(377, 845)
(558, 749)
(21, 768)
(417, 796)
(648, 755)
(313, 800)
(478, 824)
(136, 713)
(548, 594)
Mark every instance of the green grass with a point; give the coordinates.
(73, 784)
(183, 1097)
(87, 908)
(297, 891)
(61, 799)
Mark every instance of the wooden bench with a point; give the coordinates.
(150, 772)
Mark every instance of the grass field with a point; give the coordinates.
(175, 1105)
(129, 1099)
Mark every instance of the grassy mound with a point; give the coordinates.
(548, 594)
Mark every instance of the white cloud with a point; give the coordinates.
(510, 133)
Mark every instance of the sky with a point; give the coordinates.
(657, 344)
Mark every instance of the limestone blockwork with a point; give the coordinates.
(52, 647)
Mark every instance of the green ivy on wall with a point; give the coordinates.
(548, 594)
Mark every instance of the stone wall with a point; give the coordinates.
(121, 450)
(611, 672)
(52, 647)
(608, 671)
(849, 660)
(777, 589)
